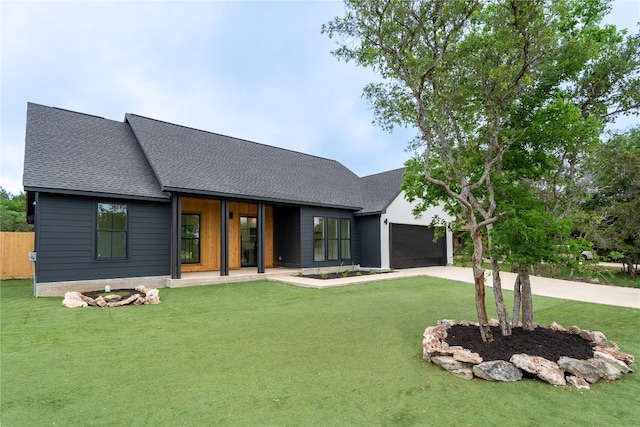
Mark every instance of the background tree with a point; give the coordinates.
(461, 72)
(13, 212)
(613, 223)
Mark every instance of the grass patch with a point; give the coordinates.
(263, 353)
(586, 272)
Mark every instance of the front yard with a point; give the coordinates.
(262, 353)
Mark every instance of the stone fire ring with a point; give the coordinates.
(608, 362)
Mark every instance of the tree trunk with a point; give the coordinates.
(501, 308)
(478, 278)
(631, 268)
(517, 301)
(526, 298)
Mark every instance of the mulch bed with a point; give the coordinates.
(541, 341)
(340, 275)
(126, 293)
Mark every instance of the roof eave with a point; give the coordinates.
(235, 196)
(69, 192)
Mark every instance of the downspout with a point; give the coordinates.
(36, 223)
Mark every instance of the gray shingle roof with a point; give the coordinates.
(72, 152)
(380, 190)
(76, 152)
(192, 160)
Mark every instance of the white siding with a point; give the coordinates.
(400, 212)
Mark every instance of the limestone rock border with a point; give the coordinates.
(149, 296)
(608, 361)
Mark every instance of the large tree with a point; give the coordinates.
(13, 212)
(613, 223)
(460, 72)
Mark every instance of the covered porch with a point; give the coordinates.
(244, 274)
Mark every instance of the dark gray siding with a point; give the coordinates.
(306, 236)
(65, 230)
(286, 236)
(369, 241)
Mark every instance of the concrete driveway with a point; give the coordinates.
(554, 288)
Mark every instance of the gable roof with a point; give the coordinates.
(191, 160)
(145, 158)
(380, 190)
(79, 153)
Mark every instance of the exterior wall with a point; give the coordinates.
(239, 209)
(209, 211)
(400, 212)
(286, 236)
(14, 255)
(306, 237)
(66, 240)
(369, 240)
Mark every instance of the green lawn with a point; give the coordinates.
(263, 353)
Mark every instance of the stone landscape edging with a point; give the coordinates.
(608, 361)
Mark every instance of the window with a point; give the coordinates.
(112, 231)
(318, 238)
(345, 238)
(332, 241)
(190, 251)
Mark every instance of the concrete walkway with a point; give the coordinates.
(554, 288)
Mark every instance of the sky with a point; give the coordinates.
(259, 70)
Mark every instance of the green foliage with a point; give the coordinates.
(263, 353)
(614, 206)
(507, 97)
(13, 212)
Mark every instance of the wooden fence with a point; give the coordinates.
(14, 255)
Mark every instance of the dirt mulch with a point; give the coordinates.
(542, 342)
(342, 274)
(126, 293)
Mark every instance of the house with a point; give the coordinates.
(148, 201)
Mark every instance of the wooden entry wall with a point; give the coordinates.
(209, 211)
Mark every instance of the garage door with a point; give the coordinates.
(413, 246)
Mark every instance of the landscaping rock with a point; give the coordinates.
(439, 331)
(592, 336)
(126, 301)
(77, 299)
(578, 382)
(579, 368)
(152, 297)
(609, 358)
(431, 341)
(615, 352)
(574, 330)
(497, 370)
(544, 369)
(88, 300)
(607, 370)
(447, 323)
(465, 374)
(73, 300)
(448, 363)
(454, 348)
(467, 356)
